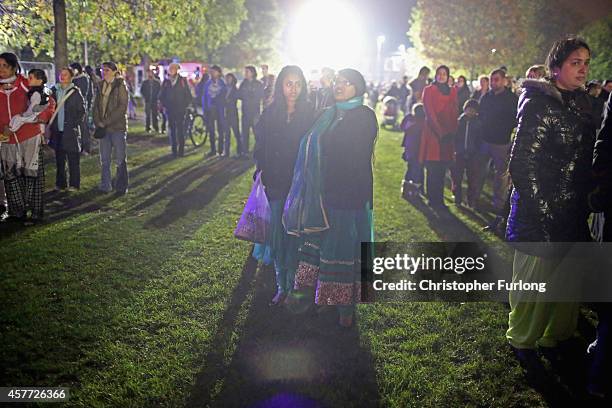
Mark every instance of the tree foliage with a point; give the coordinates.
(125, 30)
(599, 37)
(258, 38)
(478, 35)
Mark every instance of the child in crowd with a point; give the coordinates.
(38, 96)
(467, 146)
(412, 125)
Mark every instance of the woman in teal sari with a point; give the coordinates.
(329, 206)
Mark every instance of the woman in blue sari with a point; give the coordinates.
(277, 140)
(329, 206)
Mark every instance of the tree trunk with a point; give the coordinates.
(61, 34)
(145, 60)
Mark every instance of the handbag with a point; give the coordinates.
(254, 223)
(99, 133)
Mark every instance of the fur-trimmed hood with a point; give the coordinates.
(542, 86)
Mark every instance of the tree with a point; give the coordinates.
(258, 38)
(598, 36)
(478, 35)
(60, 33)
(125, 30)
(27, 24)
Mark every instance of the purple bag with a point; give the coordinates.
(254, 223)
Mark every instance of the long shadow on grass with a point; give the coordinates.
(176, 182)
(284, 357)
(445, 224)
(60, 205)
(215, 177)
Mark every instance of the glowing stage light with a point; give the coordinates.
(328, 33)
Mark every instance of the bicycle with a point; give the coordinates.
(195, 127)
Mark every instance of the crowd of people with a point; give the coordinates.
(313, 151)
(83, 106)
(472, 134)
(539, 136)
(217, 95)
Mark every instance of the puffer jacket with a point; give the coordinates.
(550, 166)
(115, 117)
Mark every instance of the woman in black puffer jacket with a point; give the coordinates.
(550, 165)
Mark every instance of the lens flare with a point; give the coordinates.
(328, 33)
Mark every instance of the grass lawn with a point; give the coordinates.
(148, 300)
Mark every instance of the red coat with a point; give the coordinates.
(14, 102)
(441, 120)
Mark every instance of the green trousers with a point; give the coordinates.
(537, 322)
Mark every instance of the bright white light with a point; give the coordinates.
(327, 33)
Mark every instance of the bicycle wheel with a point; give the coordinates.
(198, 134)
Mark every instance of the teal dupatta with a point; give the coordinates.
(304, 212)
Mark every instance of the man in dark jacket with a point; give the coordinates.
(498, 117)
(176, 97)
(150, 92)
(214, 108)
(251, 92)
(81, 80)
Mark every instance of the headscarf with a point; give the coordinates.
(355, 78)
(442, 87)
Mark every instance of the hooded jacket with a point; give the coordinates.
(550, 165)
(115, 116)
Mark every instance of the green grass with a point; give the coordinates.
(121, 299)
(436, 354)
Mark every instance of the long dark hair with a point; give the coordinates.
(279, 105)
(12, 60)
(465, 82)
